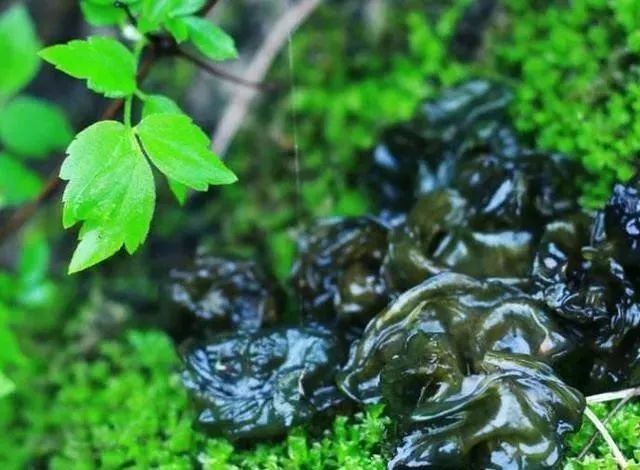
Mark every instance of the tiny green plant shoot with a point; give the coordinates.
(109, 165)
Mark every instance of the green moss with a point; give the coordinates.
(126, 408)
(624, 428)
(348, 443)
(576, 82)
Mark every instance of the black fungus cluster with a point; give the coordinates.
(478, 304)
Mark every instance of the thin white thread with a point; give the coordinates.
(296, 149)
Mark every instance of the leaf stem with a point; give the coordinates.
(142, 96)
(127, 111)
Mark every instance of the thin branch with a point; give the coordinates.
(238, 106)
(630, 394)
(213, 70)
(611, 396)
(208, 7)
(617, 454)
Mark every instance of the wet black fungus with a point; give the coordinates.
(338, 272)
(437, 236)
(511, 412)
(478, 304)
(585, 271)
(466, 316)
(216, 294)
(260, 384)
(462, 140)
(622, 222)
(464, 365)
(419, 156)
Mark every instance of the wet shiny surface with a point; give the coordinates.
(337, 274)
(216, 294)
(478, 304)
(252, 385)
(465, 365)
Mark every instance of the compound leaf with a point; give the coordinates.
(179, 190)
(105, 12)
(180, 150)
(178, 29)
(154, 14)
(101, 15)
(110, 189)
(107, 65)
(159, 104)
(212, 41)
(188, 7)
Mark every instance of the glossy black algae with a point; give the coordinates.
(464, 366)
(484, 288)
(338, 272)
(216, 294)
(260, 384)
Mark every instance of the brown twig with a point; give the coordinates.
(238, 106)
(215, 71)
(207, 7)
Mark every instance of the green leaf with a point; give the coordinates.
(188, 7)
(179, 190)
(178, 29)
(154, 14)
(10, 351)
(33, 261)
(33, 128)
(107, 65)
(110, 189)
(159, 104)
(104, 13)
(168, 13)
(101, 15)
(6, 386)
(17, 183)
(180, 150)
(210, 40)
(19, 47)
